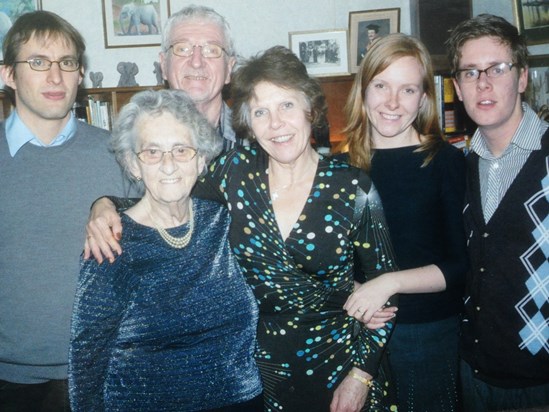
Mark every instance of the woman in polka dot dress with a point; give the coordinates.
(303, 228)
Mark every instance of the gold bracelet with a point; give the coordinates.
(367, 382)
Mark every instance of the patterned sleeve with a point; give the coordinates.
(96, 315)
(373, 256)
(213, 185)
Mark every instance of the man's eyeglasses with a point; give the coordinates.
(180, 153)
(208, 51)
(43, 65)
(494, 71)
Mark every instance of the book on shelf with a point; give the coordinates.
(449, 109)
(95, 112)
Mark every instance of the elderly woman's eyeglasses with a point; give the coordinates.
(208, 50)
(179, 153)
(42, 65)
(494, 71)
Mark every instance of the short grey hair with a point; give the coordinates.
(203, 13)
(205, 138)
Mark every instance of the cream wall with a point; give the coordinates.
(256, 25)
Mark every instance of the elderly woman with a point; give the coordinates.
(303, 227)
(171, 324)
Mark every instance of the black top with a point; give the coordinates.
(423, 207)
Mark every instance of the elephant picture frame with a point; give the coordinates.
(131, 24)
(10, 10)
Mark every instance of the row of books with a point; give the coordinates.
(448, 114)
(95, 112)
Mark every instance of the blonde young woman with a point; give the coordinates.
(393, 133)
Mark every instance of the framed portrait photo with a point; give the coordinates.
(10, 10)
(365, 27)
(130, 24)
(532, 18)
(324, 53)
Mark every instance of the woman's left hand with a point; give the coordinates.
(349, 396)
(370, 298)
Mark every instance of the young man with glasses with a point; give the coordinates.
(197, 57)
(505, 333)
(45, 154)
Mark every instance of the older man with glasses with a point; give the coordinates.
(198, 56)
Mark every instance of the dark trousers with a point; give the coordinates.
(51, 396)
(480, 396)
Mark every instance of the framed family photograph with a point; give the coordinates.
(10, 10)
(537, 92)
(533, 20)
(131, 24)
(366, 27)
(324, 53)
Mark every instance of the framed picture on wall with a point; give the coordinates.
(537, 92)
(532, 20)
(324, 52)
(131, 24)
(10, 10)
(366, 27)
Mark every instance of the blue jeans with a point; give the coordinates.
(479, 396)
(424, 362)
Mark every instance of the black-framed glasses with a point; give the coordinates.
(43, 65)
(208, 50)
(180, 153)
(494, 71)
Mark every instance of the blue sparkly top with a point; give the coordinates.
(164, 329)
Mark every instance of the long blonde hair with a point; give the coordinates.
(358, 131)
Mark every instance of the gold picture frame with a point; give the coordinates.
(378, 22)
(127, 24)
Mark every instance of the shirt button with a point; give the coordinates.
(485, 234)
(478, 308)
(476, 340)
(482, 270)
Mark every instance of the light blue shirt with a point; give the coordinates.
(18, 134)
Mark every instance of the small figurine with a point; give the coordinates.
(127, 71)
(97, 79)
(158, 72)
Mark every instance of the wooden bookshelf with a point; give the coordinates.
(336, 89)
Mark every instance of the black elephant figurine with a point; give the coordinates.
(127, 71)
(97, 79)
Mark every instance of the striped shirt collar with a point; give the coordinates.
(526, 137)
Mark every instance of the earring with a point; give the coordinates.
(138, 178)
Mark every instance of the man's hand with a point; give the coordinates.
(104, 230)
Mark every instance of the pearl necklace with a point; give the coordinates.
(175, 242)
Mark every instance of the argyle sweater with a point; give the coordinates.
(505, 333)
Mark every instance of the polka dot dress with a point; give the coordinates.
(306, 342)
